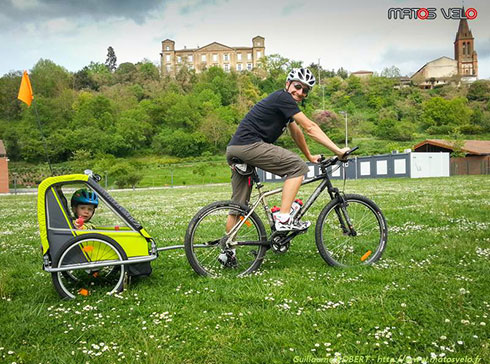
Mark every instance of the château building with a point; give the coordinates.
(213, 54)
(443, 70)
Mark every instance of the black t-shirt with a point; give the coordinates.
(267, 120)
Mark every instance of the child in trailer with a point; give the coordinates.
(83, 205)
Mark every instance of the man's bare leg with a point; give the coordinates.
(230, 222)
(289, 191)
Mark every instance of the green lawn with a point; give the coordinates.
(428, 298)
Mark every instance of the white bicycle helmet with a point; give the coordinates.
(302, 75)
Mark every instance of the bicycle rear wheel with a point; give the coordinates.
(363, 245)
(208, 227)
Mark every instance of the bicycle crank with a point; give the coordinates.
(280, 242)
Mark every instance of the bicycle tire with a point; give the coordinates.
(83, 250)
(208, 226)
(337, 247)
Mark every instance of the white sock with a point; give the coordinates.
(283, 217)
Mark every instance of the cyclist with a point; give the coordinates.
(83, 205)
(260, 128)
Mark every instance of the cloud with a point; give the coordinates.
(482, 48)
(19, 13)
(352, 35)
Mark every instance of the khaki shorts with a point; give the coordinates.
(268, 157)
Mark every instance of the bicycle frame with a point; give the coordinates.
(325, 184)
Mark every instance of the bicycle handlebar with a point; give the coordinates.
(328, 162)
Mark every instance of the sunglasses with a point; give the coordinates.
(298, 87)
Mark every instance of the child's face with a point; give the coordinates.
(84, 211)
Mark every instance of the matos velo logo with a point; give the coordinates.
(431, 13)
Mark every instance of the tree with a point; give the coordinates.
(9, 87)
(391, 72)
(48, 79)
(126, 72)
(479, 91)
(126, 174)
(341, 72)
(99, 73)
(147, 71)
(274, 64)
(441, 116)
(83, 80)
(179, 143)
(218, 128)
(133, 126)
(111, 60)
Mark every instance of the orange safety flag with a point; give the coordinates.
(25, 91)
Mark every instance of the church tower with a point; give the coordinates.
(464, 51)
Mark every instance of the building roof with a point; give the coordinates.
(362, 72)
(3, 152)
(433, 61)
(472, 147)
(464, 31)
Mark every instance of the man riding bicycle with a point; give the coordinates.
(253, 141)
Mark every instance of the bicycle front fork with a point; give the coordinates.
(344, 219)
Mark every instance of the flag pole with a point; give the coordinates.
(26, 95)
(43, 138)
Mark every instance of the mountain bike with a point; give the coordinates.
(350, 230)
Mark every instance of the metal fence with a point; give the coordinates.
(379, 166)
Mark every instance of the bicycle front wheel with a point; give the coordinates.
(206, 231)
(362, 244)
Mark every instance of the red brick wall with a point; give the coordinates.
(4, 176)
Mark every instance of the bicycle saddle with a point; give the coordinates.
(241, 167)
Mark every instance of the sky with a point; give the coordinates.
(353, 34)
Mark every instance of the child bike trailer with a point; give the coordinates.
(96, 258)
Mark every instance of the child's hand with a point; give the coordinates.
(79, 223)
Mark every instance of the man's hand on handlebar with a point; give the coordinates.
(342, 152)
(315, 158)
(342, 156)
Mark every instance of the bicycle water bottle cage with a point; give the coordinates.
(242, 168)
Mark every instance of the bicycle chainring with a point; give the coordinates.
(280, 244)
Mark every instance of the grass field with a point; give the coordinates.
(427, 300)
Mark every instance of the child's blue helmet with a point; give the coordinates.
(84, 197)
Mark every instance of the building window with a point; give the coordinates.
(239, 67)
(167, 58)
(167, 48)
(249, 56)
(203, 58)
(239, 57)
(190, 58)
(227, 67)
(179, 59)
(226, 57)
(259, 54)
(169, 68)
(215, 58)
(249, 66)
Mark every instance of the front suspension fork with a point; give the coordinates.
(343, 216)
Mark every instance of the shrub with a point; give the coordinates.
(180, 143)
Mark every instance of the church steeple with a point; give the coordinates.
(464, 51)
(464, 31)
